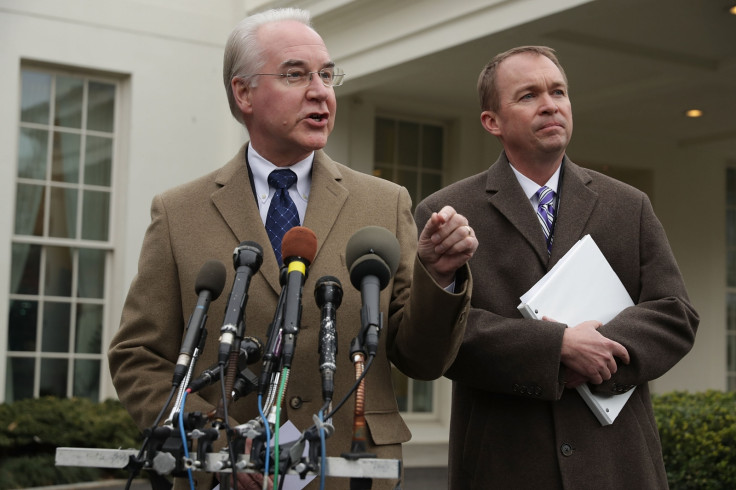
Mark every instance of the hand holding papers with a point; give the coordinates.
(581, 286)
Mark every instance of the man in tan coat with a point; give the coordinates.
(280, 83)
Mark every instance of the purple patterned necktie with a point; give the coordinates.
(546, 213)
(282, 214)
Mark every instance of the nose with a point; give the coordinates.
(548, 104)
(315, 88)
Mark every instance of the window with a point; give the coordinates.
(61, 243)
(410, 153)
(731, 278)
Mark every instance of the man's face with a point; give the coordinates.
(286, 123)
(534, 117)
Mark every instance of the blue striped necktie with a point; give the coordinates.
(282, 213)
(546, 212)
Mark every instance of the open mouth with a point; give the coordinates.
(317, 117)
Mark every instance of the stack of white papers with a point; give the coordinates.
(581, 286)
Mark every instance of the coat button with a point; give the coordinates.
(295, 402)
(566, 449)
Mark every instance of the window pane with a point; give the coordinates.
(63, 222)
(101, 111)
(55, 336)
(430, 183)
(25, 269)
(408, 144)
(731, 187)
(65, 159)
(19, 379)
(731, 267)
(384, 172)
(87, 379)
(98, 161)
(33, 147)
(401, 389)
(422, 399)
(69, 93)
(91, 273)
(731, 227)
(58, 281)
(385, 141)
(29, 210)
(36, 90)
(408, 178)
(432, 147)
(22, 320)
(89, 329)
(731, 353)
(95, 215)
(53, 377)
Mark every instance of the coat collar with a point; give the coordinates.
(577, 202)
(237, 205)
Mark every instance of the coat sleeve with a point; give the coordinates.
(144, 350)
(660, 329)
(426, 323)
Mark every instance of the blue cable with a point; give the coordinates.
(184, 437)
(268, 435)
(323, 451)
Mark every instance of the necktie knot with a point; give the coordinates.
(282, 179)
(546, 212)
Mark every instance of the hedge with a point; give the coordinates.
(698, 432)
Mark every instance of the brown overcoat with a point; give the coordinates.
(206, 219)
(513, 423)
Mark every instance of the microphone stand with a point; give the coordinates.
(359, 442)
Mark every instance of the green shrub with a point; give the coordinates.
(698, 432)
(32, 429)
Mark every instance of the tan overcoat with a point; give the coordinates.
(206, 219)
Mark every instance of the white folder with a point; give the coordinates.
(581, 286)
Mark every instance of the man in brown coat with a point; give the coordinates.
(516, 422)
(279, 79)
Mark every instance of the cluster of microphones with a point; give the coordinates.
(372, 255)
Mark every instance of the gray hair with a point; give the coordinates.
(487, 90)
(244, 55)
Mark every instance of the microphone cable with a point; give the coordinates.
(134, 471)
(184, 436)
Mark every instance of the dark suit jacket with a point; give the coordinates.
(513, 423)
(208, 218)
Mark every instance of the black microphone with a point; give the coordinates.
(273, 337)
(251, 350)
(372, 256)
(328, 295)
(247, 258)
(208, 286)
(298, 249)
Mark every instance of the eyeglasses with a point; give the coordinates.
(298, 77)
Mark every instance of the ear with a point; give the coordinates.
(242, 92)
(489, 121)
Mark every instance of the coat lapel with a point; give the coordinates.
(577, 202)
(326, 197)
(237, 205)
(507, 196)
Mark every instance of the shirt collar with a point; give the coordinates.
(530, 187)
(261, 168)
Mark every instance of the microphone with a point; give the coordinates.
(328, 295)
(251, 350)
(208, 286)
(298, 248)
(247, 258)
(372, 256)
(273, 337)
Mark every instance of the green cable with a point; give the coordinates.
(284, 376)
